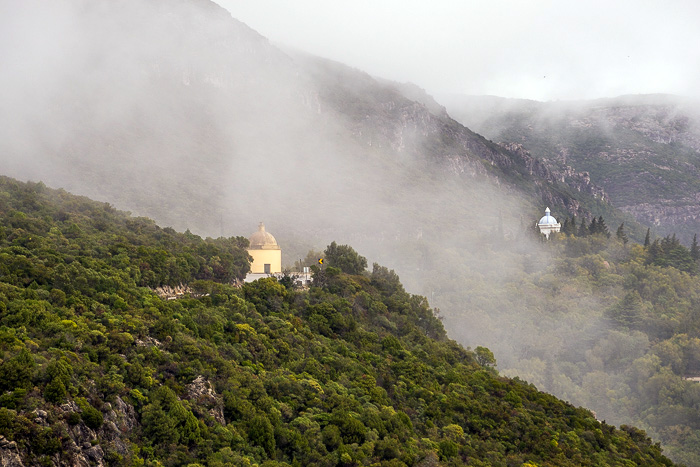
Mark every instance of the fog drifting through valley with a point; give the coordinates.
(175, 111)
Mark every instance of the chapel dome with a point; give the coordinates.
(547, 219)
(262, 240)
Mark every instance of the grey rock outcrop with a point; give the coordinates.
(201, 391)
(9, 454)
(119, 421)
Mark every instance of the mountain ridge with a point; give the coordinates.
(643, 150)
(223, 94)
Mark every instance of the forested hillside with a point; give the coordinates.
(175, 110)
(97, 368)
(597, 320)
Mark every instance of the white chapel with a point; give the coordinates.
(548, 224)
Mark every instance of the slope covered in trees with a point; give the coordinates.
(599, 321)
(96, 367)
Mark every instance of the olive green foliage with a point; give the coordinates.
(82, 246)
(354, 372)
(484, 357)
(601, 322)
(345, 258)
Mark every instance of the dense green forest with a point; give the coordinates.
(95, 366)
(591, 317)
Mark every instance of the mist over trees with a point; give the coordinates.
(604, 323)
(208, 128)
(353, 370)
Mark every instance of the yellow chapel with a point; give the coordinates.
(266, 253)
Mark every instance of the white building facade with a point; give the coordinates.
(548, 224)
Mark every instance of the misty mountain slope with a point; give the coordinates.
(400, 122)
(408, 124)
(205, 125)
(179, 112)
(101, 365)
(157, 100)
(182, 106)
(643, 150)
(187, 106)
(107, 107)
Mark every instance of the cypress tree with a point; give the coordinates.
(647, 239)
(572, 227)
(665, 244)
(621, 234)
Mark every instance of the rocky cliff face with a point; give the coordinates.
(643, 151)
(9, 454)
(200, 107)
(579, 181)
(409, 126)
(83, 446)
(669, 123)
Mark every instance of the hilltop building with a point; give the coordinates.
(548, 224)
(266, 253)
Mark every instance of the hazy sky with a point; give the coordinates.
(538, 49)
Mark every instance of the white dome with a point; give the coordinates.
(547, 219)
(262, 240)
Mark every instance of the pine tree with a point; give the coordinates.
(593, 227)
(565, 227)
(655, 253)
(694, 249)
(627, 311)
(582, 229)
(668, 243)
(647, 239)
(621, 234)
(602, 228)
